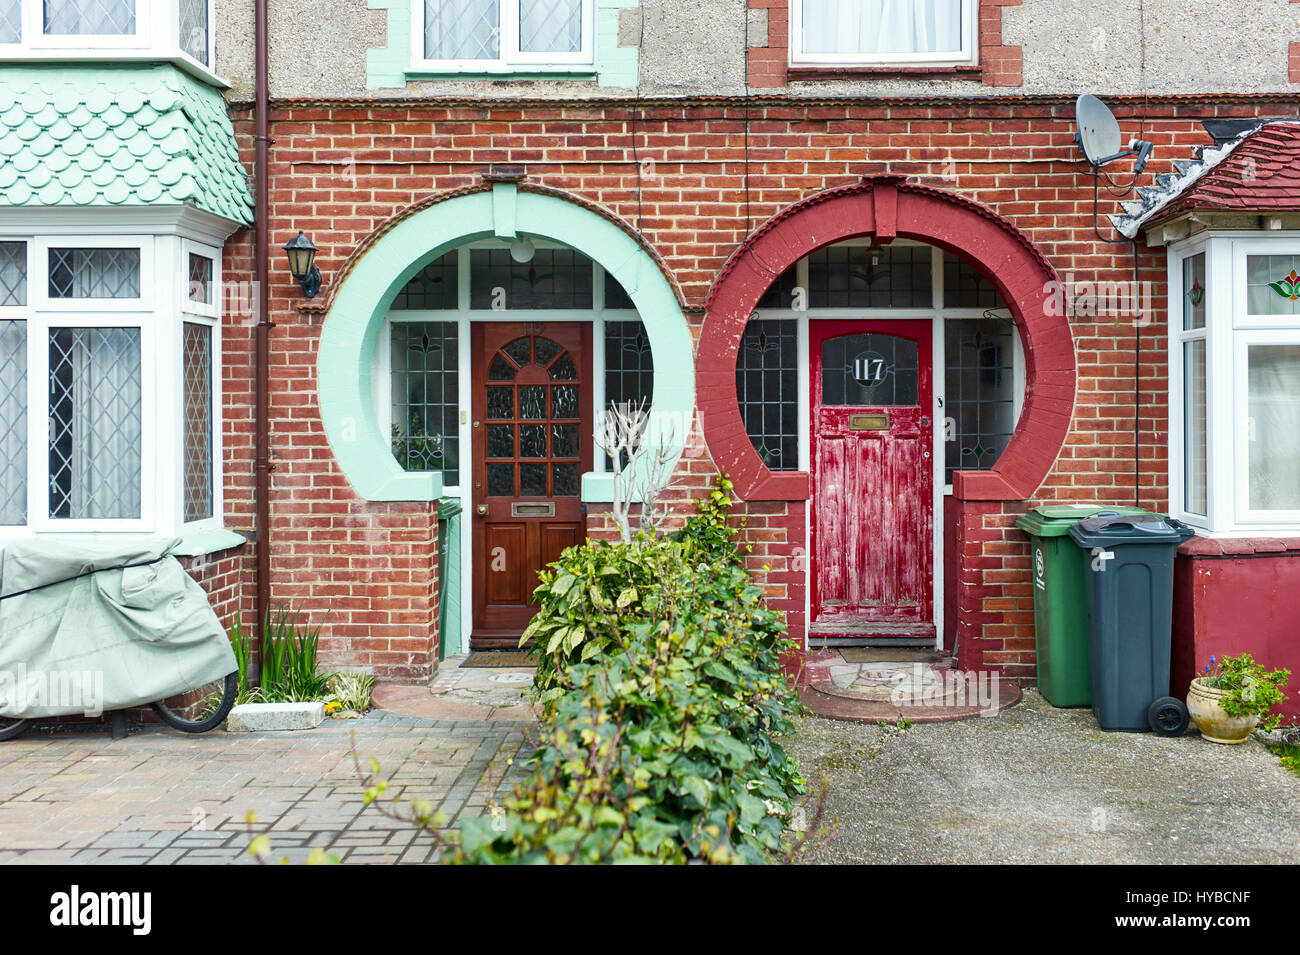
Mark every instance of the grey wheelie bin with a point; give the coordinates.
(1130, 606)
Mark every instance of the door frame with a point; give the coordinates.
(936, 313)
(933, 324)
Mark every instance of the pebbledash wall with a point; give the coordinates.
(345, 170)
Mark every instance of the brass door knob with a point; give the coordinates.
(481, 510)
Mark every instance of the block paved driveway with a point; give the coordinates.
(162, 797)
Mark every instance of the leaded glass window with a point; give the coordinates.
(550, 26)
(426, 398)
(13, 274)
(94, 273)
(89, 17)
(196, 380)
(462, 29)
(979, 392)
(616, 296)
(629, 367)
(95, 423)
(781, 293)
(13, 422)
(434, 287)
(859, 276)
(1273, 285)
(11, 21)
(965, 286)
(200, 284)
(767, 381)
(551, 279)
(194, 29)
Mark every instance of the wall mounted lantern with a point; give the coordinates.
(302, 263)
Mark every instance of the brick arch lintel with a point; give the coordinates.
(889, 207)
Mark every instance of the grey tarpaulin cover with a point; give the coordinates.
(140, 633)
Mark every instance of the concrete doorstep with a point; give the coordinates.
(264, 717)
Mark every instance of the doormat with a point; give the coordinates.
(498, 658)
(890, 655)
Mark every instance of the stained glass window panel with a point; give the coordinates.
(979, 392)
(767, 381)
(426, 398)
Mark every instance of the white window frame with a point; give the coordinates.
(159, 313)
(968, 55)
(157, 34)
(1228, 333)
(209, 316)
(510, 59)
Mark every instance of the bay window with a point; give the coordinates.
(165, 28)
(502, 35)
(882, 32)
(1235, 383)
(107, 390)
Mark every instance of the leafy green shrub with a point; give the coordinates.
(662, 691)
(709, 527)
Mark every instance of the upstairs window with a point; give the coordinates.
(163, 28)
(503, 35)
(882, 32)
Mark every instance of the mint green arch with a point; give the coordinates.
(356, 315)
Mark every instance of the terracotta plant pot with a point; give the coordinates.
(1209, 716)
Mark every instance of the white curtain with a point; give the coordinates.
(881, 26)
(13, 422)
(103, 475)
(462, 29)
(1274, 437)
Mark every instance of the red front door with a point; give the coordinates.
(873, 480)
(531, 438)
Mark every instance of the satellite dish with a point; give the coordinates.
(1099, 137)
(1098, 134)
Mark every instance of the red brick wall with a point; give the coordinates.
(340, 171)
(227, 578)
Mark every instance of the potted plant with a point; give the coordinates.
(1233, 696)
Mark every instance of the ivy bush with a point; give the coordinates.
(659, 719)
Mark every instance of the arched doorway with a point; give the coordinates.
(449, 307)
(884, 213)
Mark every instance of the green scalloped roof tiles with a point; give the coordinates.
(128, 136)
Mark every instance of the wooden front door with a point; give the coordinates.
(531, 441)
(873, 480)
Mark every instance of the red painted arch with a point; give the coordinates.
(890, 208)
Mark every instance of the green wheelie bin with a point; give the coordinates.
(1061, 599)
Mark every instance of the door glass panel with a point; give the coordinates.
(873, 369)
(501, 480)
(532, 441)
(501, 370)
(500, 441)
(532, 480)
(564, 401)
(546, 351)
(564, 441)
(532, 401)
(500, 403)
(518, 351)
(566, 480)
(564, 370)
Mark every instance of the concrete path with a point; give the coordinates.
(1038, 784)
